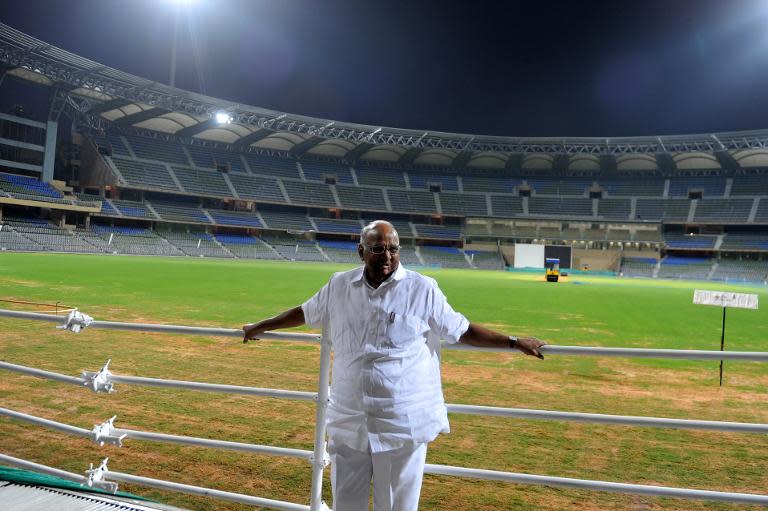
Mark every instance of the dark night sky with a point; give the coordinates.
(500, 68)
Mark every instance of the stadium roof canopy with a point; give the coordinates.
(100, 95)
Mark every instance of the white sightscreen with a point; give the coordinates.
(529, 256)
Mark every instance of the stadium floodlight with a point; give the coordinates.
(223, 118)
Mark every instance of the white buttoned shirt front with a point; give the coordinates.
(385, 387)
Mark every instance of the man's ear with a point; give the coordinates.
(360, 250)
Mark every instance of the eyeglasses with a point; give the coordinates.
(379, 249)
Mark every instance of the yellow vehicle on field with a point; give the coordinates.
(552, 269)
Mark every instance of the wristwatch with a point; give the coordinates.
(512, 341)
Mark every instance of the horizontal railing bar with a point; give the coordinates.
(42, 469)
(196, 330)
(37, 316)
(453, 408)
(756, 356)
(548, 349)
(156, 483)
(156, 382)
(592, 351)
(66, 428)
(31, 371)
(628, 420)
(522, 413)
(206, 492)
(219, 444)
(210, 387)
(169, 329)
(586, 484)
(162, 437)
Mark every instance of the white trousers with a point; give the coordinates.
(396, 476)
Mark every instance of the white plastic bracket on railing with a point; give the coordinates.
(104, 433)
(96, 477)
(326, 458)
(325, 401)
(101, 381)
(76, 321)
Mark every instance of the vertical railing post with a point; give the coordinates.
(319, 460)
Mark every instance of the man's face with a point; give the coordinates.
(380, 266)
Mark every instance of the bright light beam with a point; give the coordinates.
(223, 118)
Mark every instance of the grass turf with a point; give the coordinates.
(583, 310)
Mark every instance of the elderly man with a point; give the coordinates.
(385, 324)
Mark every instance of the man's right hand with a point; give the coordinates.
(252, 331)
(287, 319)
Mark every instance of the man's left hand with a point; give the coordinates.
(530, 346)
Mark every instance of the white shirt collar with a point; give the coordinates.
(398, 275)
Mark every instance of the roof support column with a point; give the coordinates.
(57, 100)
(49, 156)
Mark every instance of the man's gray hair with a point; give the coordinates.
(374, 226)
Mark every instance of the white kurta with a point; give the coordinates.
(385, 388)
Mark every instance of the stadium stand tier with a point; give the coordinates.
(750, 185)
(136, 241)
(722, 210)
(690, 241)
(213, 158)
(234, 218)
(740, 270)
(308, 209)
(257, 188)
(697, 268)
(444, 257)
(489, 184)
(145, 175)
(638, 266)
(633, 187)
(332, 225)
(709, 186)
(375, 177)
(267, 165)
(195, 244)
(340, 251)
(745, 241)
(361, 198)
(320, 171)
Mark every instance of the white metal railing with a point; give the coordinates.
(103, 380)
(754, 356)
(490, 411)
(107, 433)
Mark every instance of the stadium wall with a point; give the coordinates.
(508, 253)
(94, 171)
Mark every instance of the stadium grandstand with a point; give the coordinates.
(155, 170)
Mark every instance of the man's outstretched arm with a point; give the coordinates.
(480, 336)
(290, 318)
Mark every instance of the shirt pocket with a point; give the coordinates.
(403, 330)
